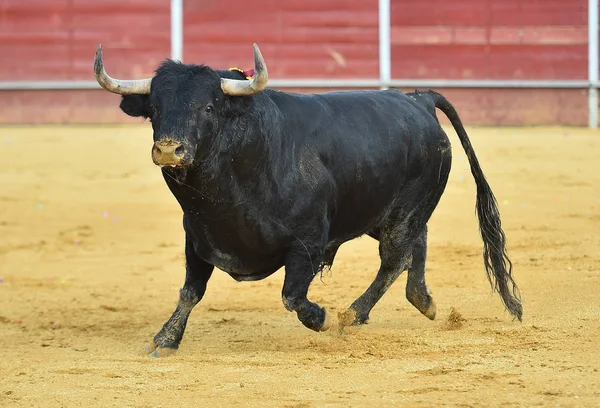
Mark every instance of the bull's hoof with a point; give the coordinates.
(431, 310)
(424, 304)
(314, 317)
(327, 323)
(155, 351)
(352, 318)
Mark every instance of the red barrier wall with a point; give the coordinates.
(470, 39)
(56, 39)
(489, 39)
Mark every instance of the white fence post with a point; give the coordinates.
(177, 30)
(385, 57)
(593, 63)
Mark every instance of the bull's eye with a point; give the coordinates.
(208, 109)
(153, 113)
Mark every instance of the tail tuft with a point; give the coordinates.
(497, 264)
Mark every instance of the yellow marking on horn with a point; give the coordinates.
(239, 70)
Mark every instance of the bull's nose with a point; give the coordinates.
(168, 152)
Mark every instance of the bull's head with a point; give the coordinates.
(184, 102)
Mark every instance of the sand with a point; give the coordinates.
(91, 260)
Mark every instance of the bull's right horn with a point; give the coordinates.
(119, 86)
(236, 87)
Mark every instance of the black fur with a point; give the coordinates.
(136, 105)
(281, 179)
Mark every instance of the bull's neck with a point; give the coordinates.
(232, 165)
(242, 151)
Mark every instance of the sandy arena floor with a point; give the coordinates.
(91, 261)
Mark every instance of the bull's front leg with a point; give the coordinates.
(301, 266)
(166, 342)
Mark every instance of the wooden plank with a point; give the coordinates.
(555, 35)
(330, 35)
(332, 18)
(135, 35)
(218, 32)
(421, 35)
(488, 12)
(537, 12)
(18, 16)
(406, 13)
(297, 60)
(123, 63)
(36, 61)
(494, 35)
(320, 5)
(34, 38)
(470, 35)
(233, 6)
(456, 61)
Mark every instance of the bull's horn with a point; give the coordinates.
(238, 87)
(118, 86)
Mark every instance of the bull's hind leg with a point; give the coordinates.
(198, 272)
(417, 291)
(394, 249)
(402, 237)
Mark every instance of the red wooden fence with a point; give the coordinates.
(461, 39)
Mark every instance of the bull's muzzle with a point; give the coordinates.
(169, 152)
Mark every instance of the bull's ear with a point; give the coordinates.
(136, 105)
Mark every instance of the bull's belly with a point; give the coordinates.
(243, 268)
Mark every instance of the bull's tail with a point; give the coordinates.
(497, 264)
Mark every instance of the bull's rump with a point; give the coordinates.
(363, 147)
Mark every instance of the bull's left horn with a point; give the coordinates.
(118, 86)
(238, 87)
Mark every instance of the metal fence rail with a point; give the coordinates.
(385, 80)
(339, 83)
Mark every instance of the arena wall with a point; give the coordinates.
(462, 39)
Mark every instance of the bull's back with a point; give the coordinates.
(370, 144)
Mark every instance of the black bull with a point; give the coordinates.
(268, 179)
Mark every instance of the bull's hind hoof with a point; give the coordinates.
(423, 303)
(155, 351)
(431, 310)
(351, 318)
